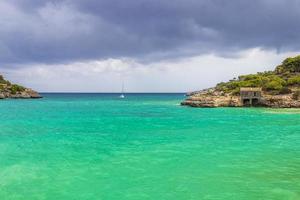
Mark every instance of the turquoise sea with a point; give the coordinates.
(96, 146)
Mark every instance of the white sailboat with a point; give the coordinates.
(122, 96)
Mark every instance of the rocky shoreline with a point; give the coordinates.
(14, 91)
(26, 94)
(211, 99)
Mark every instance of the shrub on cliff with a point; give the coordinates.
(274, 83)
(285, 90)
(16, 88)
(289, 65)
(3, 81)
(294, 80)
(268, 81)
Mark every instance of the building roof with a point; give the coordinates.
(250, 89)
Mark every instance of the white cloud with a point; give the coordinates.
(177, 75)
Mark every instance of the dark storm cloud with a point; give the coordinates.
(65, 31)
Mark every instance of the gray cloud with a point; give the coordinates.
(66, 31)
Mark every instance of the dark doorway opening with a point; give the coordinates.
(251, 102)
(246, 102)
(255, 102)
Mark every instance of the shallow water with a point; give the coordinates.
(96, 146)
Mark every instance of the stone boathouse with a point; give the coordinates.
(251, 96)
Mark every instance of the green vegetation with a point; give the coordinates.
(290, 65)
(3, 81)
(16, 88)
(7, 86)
(279, 81)
(294, 80)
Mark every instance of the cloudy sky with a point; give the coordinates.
(153, 45)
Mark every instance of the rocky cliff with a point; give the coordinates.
(219, 99)
(9, 90)
(280, 89)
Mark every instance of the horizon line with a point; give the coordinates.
(113, 92)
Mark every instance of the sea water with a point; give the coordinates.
(146, 146)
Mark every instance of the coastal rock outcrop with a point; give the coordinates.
(277, 89)
(281, 101)
(211, 101)
(9, 90)
(211, 98)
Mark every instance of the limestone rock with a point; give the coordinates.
(212, 98)
(9, 90)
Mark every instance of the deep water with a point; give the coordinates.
(96, 146)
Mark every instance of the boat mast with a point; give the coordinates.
(123, 87)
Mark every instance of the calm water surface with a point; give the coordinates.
(96, 146)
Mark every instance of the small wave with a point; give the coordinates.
(283, 111)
